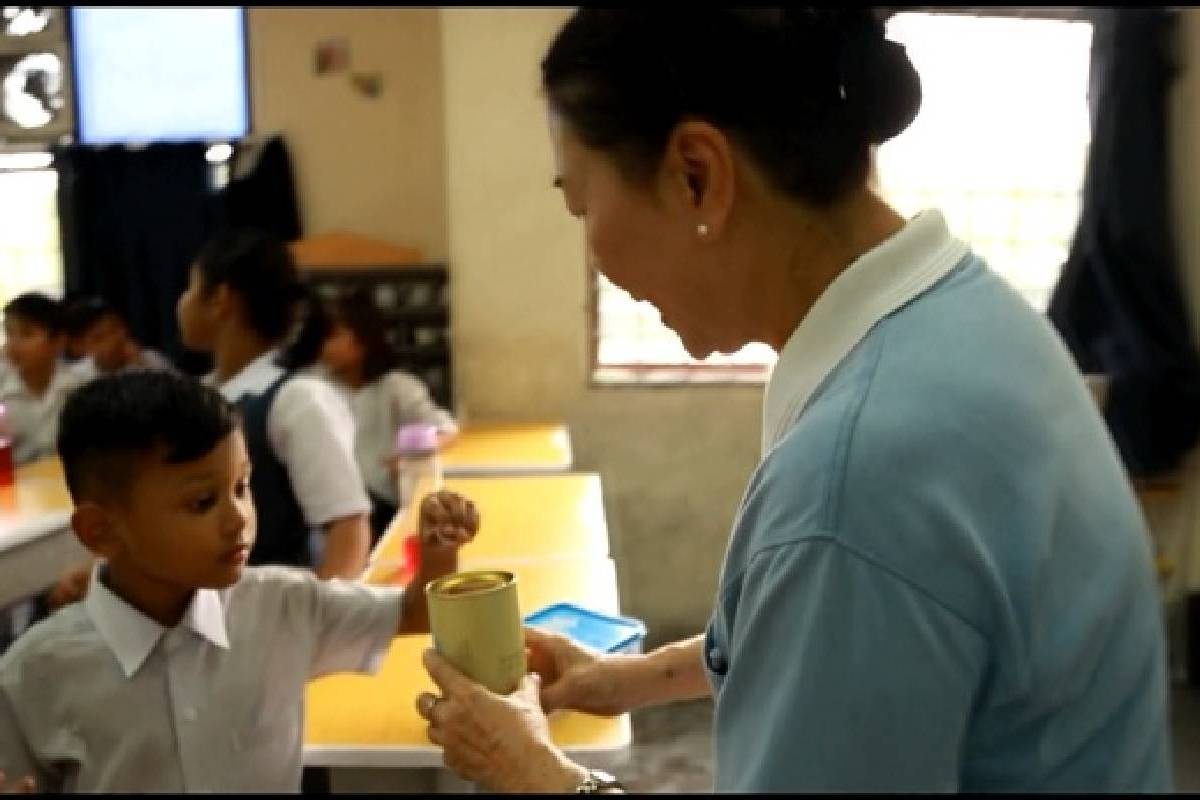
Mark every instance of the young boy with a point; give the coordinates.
(183, 670)
(107, 341)
(34, 382)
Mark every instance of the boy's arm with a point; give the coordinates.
(19, 772)
(447, 521)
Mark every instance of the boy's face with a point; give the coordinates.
(188, 525)
(105, 342)
(31, 347)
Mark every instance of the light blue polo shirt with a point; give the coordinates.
(939, 578)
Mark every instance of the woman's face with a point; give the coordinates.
(643, 239)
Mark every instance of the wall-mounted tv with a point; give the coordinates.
(160, 74)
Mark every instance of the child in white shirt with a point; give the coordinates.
(183, 669)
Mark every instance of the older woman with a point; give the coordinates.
(938, 578)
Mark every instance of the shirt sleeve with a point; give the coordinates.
(354, 625)
(16, 760)
(412, 403)
(841, 676)
(312, 432)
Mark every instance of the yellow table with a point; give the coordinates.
(36, 542)
(371, 721)
(508, 449)
(535, 517)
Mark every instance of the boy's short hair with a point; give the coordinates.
(84, 312)
(112, 421)
(38, 309)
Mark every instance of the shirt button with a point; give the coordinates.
(716, 659)
(189, 715)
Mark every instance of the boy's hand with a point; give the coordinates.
(446, 522)
(447, 519)
(24, 786)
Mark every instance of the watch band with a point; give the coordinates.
(598, 781)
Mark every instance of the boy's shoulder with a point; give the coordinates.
(63, 635)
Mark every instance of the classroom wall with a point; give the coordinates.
(673, 461)
(372, 166)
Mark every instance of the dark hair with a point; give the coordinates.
(84, 312)
(110, 421)
(358, 312)
(259, 267)
(805, 91)
(38, 309)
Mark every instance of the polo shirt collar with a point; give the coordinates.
(877, 284)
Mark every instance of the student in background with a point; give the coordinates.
(75, 353)
(242, 305)
(157, 468)
(358, 359)
(107, 340)
(34, 380)
(245, 304)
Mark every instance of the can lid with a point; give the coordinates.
(606, 633)
(416, 438)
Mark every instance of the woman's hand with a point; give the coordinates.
(501, 743)
(573, 676)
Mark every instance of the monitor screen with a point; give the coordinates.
(160, 74)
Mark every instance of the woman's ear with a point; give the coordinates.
(700, 169)
(95, 529)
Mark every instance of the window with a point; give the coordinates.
(999, 147)
(30, 251)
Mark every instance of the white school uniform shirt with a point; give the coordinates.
(379, 409)
(312, 433)
(101, 698)
(33, 420)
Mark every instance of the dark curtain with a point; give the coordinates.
(1119, 304)
(132, 221)
(262, 192)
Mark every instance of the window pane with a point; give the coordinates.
(30, 252)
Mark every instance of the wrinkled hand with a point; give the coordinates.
(24, 786)
(501, 743)
(572, 675)
(71, 587)
(447, 519)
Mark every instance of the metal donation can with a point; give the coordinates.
(477, 626)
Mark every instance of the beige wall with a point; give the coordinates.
(372, 166)
(674, 461)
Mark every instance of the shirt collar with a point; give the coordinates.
(11, 385)
(255, 378)
(878, 283)
(131, 635)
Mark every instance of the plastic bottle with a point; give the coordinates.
(7, 472)
(417, 449)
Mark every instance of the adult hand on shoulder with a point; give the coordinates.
(501, 743)
(24, 786)
(71, 587)
(573, 676)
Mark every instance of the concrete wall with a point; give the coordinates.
(371, 166)
(674, 461)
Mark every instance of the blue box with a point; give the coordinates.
(602, 632)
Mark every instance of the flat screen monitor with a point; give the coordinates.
(147, 75)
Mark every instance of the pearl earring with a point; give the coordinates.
(702, 229)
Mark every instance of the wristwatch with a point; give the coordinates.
(598, 782)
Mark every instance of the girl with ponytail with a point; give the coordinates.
(247, 306)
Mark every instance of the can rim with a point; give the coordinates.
(501, 579)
